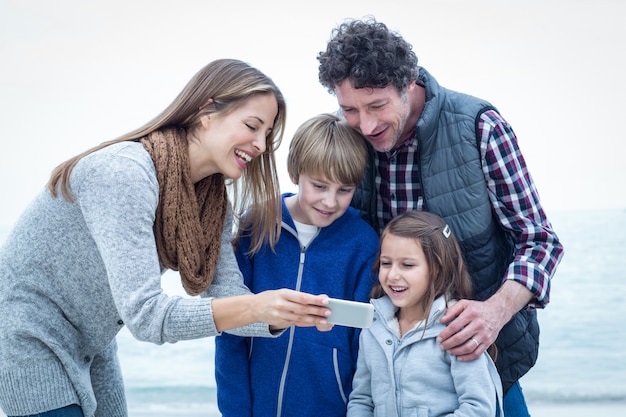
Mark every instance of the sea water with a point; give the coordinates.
(583, 340)
(582, 356)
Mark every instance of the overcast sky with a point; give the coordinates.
(74, 73)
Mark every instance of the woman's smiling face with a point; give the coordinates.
(226, 143)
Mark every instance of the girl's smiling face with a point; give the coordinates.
(404, 274)
(226, 143)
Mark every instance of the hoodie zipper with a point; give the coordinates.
(292, 330)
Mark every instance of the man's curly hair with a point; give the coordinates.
(369, 54)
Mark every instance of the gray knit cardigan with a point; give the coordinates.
(73, 273)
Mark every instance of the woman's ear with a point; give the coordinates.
(205, 121)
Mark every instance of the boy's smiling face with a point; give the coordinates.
(320, 201)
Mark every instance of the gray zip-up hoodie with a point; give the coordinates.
(412, 376)
(73, 273)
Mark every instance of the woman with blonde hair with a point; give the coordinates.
(86, 256)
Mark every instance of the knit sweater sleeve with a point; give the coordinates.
(117, 191)
(228, 280)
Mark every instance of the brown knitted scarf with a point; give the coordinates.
(189, 219)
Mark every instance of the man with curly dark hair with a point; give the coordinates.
(438, 150)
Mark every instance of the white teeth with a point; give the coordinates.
(243, 155)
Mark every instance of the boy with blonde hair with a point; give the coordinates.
(324, 248)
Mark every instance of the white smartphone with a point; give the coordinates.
(350, 313)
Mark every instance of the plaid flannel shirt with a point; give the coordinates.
(514, 200)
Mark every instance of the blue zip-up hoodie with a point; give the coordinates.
(304, 372)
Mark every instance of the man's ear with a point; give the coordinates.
(412, 86)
